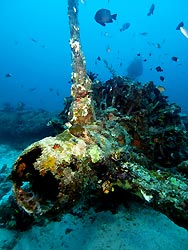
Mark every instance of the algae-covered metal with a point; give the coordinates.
(54, 173)
(140, 147)
(81, 111)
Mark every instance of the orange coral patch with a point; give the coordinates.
(55, 146)
(121, 140)
(20, 169)
(137, 143)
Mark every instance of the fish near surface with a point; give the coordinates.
(8, 75)
(104, 16)
(159, 69)
(181, 24)
(162, 78)
(144, 33)
(151, 10)
(174, 58)
(125, 26)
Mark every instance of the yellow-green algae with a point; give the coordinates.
(95, 152)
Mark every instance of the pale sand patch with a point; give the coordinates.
(135, 228)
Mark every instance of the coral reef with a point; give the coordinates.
(21, 127)
(156, 127)
(138, 142)
(81, 110)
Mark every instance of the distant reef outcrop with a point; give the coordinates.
(20, 126)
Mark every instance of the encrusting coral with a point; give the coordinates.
(120, 134)
(82, 111)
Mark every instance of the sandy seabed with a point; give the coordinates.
(135, 228)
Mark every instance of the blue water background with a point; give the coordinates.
(34, 47)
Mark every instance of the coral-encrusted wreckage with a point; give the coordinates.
(116, 135)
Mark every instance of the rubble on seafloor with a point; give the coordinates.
(138, 142)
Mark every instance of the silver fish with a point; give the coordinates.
(182, 29)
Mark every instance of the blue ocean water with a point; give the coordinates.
(35, 53)
(35, 70)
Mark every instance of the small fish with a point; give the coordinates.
(98, 58)
(160, 88)
(181, 24)
(157, 45)
(151, 10)
(138, 54)
(31, 89)
(125, 26)
(182, 29)
(162, 78)
(104, 16)
(43, 46)
(159, 69)
(174, 58)
(8, 75)
(145, 60)
(34, 40)
(143, 33)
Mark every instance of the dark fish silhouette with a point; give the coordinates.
(33, 40)
(104, 16)
(159, 69)
(181, 24)
(162, 78)
(151, 10)
(125, 26)
(144, 33)
(8, 75)
(174, 58)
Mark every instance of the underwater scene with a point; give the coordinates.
(93, 125)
